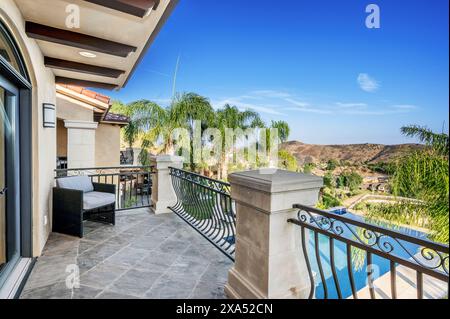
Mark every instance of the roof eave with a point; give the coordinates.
(170, 7)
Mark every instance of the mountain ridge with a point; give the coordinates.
(352, 153)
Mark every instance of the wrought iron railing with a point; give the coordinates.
(127, 157)
(133, 183)
(347, 257)
(206, 205)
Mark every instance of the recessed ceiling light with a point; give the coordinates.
(88, 54)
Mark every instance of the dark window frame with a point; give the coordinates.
(22, 82)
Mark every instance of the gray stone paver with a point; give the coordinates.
(143, 256)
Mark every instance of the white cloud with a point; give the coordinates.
(351, 105)
(281, 103)
(296, 102)
(244, 106)
(367, 83)
(308, 110)
(379, 112)
(271, 94)
(404, 107)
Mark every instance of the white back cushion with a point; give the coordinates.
(81, 183)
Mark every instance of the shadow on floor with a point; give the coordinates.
(143, 256)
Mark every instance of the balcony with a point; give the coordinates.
(185, 246)
(143, 256)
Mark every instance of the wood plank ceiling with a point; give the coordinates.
(79, 70)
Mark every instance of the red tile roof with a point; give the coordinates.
(117, 118)
(105, 115)
(91, 94)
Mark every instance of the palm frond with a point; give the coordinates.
(438, 141)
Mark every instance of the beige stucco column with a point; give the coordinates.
(269, 261)
(163, 194)
(80, 143)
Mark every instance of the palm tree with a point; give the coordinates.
(424, 174)
(131, 131)
(186, 110)
(158, 127)
(437, 141)
(230, 117)
(283, 130)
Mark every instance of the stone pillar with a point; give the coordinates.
(268, 259)
(80, 143)
(163, 194)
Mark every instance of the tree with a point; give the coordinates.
(186, 109)
(287, 161)
(352, 180)
(328, 180)
(131, 131)
(437, 141)
(230, 117)
(308, 167)
(283, 130)
(340, 181)
(424, 175)
(155, 125)
(332, 165)
(328, 201)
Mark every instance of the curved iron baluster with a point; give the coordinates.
(319, 264)
(333, 268)
(206, 205)
(308, 264)
(383, 242)
(350, 271)
(429, 258)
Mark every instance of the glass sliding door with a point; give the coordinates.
(9, 179)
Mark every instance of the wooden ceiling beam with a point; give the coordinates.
(78, 40)
(138, 8)
(81, 68)
(84, 83)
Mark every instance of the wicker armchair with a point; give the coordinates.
(76, 199)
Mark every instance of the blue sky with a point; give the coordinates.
(314, 64)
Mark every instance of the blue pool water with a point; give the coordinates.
(381, 265)
(339, 211)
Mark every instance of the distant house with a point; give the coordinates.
(88, 134)
(375, 179)
(383, 179)
(379, 187)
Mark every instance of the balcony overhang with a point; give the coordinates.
(112, 38)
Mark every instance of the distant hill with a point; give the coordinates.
(353, 153)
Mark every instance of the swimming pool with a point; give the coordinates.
(359, 262)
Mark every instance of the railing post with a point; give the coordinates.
(268, 259)
(163, 194)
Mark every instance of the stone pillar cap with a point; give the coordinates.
(167, 158)
(275, 180)
(81, 124)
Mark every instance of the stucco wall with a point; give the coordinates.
(44, 140)
(71, 109)
(107, 145)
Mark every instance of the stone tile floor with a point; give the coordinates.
(143, 256)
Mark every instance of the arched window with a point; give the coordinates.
(9, 52)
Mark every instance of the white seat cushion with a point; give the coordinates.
(81, 183)
(94, 200)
